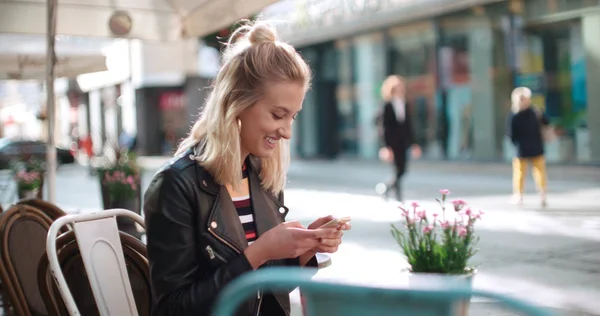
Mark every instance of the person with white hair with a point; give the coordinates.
(525, 131)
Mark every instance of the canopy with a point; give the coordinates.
(23, 57)
(157, 20)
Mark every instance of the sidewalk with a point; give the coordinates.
(587, 173)
(504, 169)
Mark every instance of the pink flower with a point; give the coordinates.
(427, 229)
(462, 231)
(421, 214)
(458, 204)
(468, 212)
(478, 215)
(435, 215)
(414, 204)
(445, 192)
(445, 224)
(404, 211)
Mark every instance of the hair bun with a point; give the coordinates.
(262, 33)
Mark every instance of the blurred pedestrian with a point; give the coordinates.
(525, 130)
(396, 127)
(216, 211)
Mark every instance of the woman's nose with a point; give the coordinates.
(286, 132)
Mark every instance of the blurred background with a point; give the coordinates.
(461, 59)
(138, 80)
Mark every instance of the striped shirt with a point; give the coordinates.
(243, 205)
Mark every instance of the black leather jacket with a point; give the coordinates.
(195, 239)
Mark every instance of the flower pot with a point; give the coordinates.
(29, 194)
(132, 204)
(437, 281)
(125, 224)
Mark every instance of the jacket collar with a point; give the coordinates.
(223, 219)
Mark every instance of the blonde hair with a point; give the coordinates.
(517, 96)
(253, 58)
(388, 85)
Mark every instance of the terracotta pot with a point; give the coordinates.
(432, 281)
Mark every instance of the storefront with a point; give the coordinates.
(460, 68)
(557, 49)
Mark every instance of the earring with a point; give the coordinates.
(239, 123)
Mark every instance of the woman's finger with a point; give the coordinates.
(331, 242)
(327, 249)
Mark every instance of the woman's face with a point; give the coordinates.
(398, 90)
(525, 102)
(270, 119)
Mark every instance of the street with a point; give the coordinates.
(547, 256)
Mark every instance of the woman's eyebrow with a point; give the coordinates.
(279, 107)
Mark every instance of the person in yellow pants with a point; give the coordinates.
(520, 166)
(525, 131)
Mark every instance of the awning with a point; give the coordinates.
(24, 57)
(159, 20)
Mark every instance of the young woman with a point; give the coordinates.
(216, 210)
(396, 123)
(525, 132)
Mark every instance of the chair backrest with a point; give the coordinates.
(100, 246)
(331, 298)
(48, 208)
(72, 266)
(23, 231)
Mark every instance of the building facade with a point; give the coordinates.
(461, 59)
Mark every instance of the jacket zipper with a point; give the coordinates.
(259, 303)
(212, 254)
(259, 297)
(234, 248)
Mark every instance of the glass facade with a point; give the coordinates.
(553, 61)
(368, 60)
(460, 70)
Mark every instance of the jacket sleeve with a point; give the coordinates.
(296, 261)
(180, 283)
(410, 139)
(387, 122)
(544, 119)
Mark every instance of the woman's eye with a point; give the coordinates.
(277, 117)
(294, 117)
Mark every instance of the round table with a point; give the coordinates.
(323, 260)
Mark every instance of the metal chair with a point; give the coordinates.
(23, 231)
(102, 254)
(72, 267)
(330, 298)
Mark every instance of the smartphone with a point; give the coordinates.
(335, 222)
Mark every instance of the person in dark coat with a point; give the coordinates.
(525, 132)
(396, 129)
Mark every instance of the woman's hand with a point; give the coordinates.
(386, 154)
(415, 151)
(286, 240)
(328, 245)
